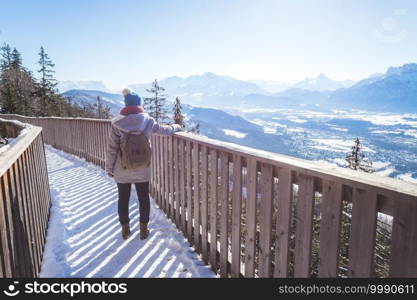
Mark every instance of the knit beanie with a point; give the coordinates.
(133, 99)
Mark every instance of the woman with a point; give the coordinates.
(132, 118)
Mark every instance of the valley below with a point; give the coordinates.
(389, 140)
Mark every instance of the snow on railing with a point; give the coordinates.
(254, 213)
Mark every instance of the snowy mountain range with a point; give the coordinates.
(67, 85)
(311, 124)
(114, 101)
(394, 91)
(322, 83)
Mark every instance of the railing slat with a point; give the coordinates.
(34, 219)
(251, 219)
(170, 174)
(204, 202)
(25, 219)
(177, 195)
(6, 229)
(404, 240)
(331, 210)
(156, 167)
(13, 229)
(182, 188)
(36, 208)
(265, 221)
(283, 223)
(171, 211)
(224, 213)
(189, 191)
(213, 209)
(236, 215)
(165, 177)
(196, 195)
(303, 229)
(40, 172)
(362, 237)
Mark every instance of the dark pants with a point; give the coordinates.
(144, 205)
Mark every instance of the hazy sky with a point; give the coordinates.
(131, 41)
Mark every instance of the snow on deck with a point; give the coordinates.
(84, 238)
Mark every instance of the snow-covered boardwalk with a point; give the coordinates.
(84, 237)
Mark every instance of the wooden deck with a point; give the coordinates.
(250, 213)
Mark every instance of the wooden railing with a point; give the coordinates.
(240, 207)
(24, 202)
(85, 138)
(250, 213)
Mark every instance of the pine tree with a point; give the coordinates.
(102, 110)
(16, 84)
(7, 104)
(196, 128)
(6, 57)
(47, 85)
(356, 159)
(177, 112)
(155, 105)
(16, 59)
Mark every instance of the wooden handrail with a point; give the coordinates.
(24, 203)
(309, 167)
(251, 212)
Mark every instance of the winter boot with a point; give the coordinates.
(125, 231)
(144, 232)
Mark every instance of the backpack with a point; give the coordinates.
(135, 151)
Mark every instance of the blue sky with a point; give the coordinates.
(130, 41)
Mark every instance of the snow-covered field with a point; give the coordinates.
(388, 139)
(84, 238)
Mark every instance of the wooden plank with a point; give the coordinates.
(304, 226)
(177, 197)
(331, 211)
(2, 266)
(224, 213)
(182, 187)
(153, 164)
(189, 192)
(6, 241)
(158, 170)
(166, 174)
(283, 223)
(404, 240)
(13, 219)
(171, 173)
(196, 195)
(236, 215)
(42, 175)
(204, 202)
(162, 169)
(34, 219)
(251, 219)
(266, 209)
(37, 218)
(213, 209)
(24, 221)
(362, 233)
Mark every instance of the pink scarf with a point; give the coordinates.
(128, 110)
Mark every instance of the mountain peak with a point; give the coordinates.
(411, 67)
(322, 76)
(209, 74)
